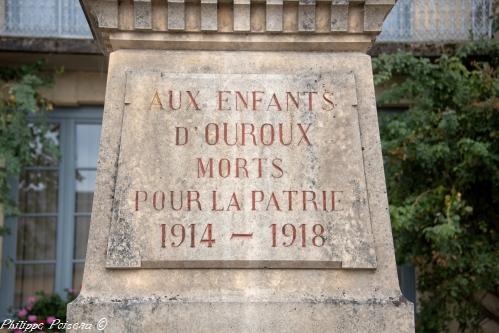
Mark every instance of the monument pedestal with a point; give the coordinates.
(216, 315)
(240, 191)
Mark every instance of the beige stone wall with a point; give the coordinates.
(77, 88)
(81, 82)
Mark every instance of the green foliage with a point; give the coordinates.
(442, 166)
(23, 126)
(44, 310)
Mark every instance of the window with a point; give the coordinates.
(47, 243)
(44, 18)
(437, 21)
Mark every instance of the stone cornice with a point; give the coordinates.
(315, 25)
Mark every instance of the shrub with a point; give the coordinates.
(23, 126)
(442, 169)
(43, 309)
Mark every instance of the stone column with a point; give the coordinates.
(240, 183)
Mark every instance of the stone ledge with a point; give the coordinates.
(87, 46)
(418, 49)
(374, 300)
(173, 314)
(238, 42)
(48, 45)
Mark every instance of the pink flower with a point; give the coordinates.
(32, 318)
(22, 313)
(30, 302)
(50, 319)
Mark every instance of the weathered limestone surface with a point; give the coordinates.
(322, 25)
(208, 216)
(257, 152)
(342, 299)
(173, 314)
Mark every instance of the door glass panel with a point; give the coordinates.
(40, 149)
(38, 191)
(87, 145)
(85, 186)
(77, 275)
(32, 278)
(81, 236)
(36, 238)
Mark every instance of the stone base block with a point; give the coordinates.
(170, 314)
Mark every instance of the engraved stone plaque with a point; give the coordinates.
(240, 170)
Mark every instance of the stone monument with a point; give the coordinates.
(240, 183)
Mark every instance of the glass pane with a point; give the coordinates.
(23, 20)
(45, 18)
(36, 238)
(81, 236)
(38, 191)
(33, 278)
(77, 276)
(87, 145)
(39, 148)
(73, 20)
(85, 186)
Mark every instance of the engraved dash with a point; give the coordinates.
(241, 235)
